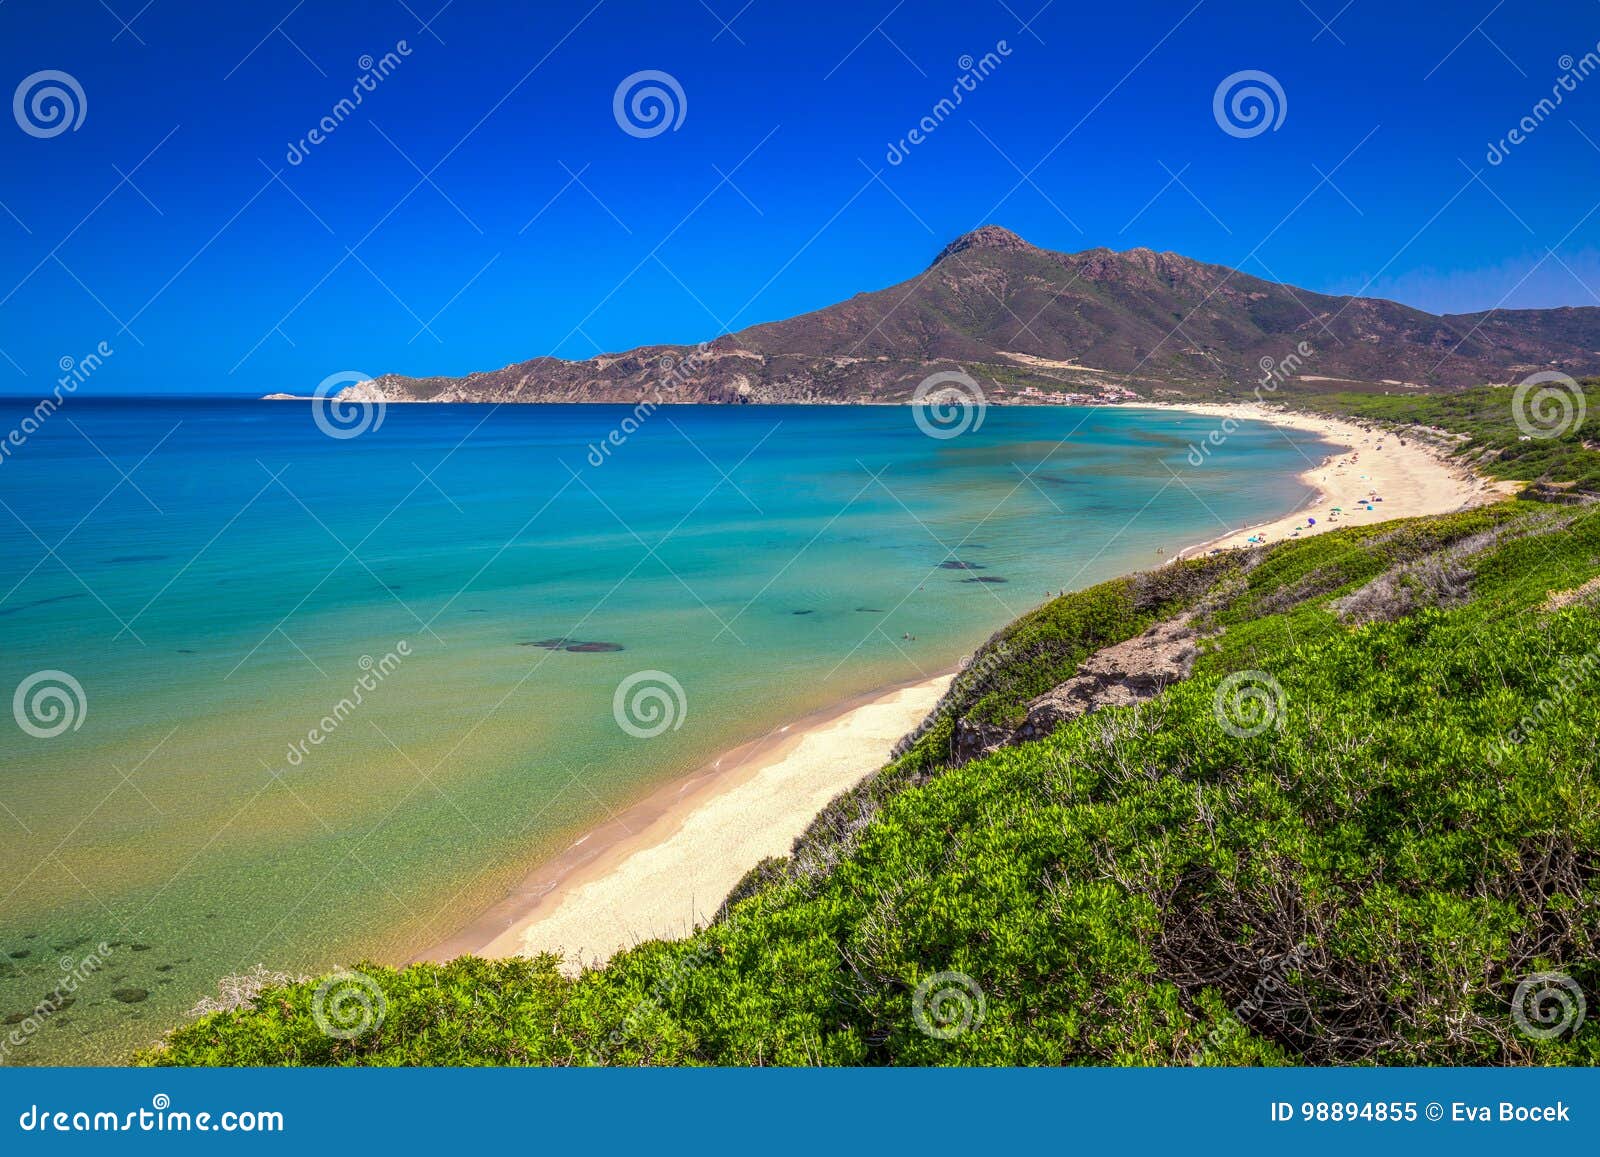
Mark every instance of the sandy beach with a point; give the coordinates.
(665, 865)
(1376, 477)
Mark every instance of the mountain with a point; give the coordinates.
(1020, 318)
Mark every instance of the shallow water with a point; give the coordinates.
(218, 576)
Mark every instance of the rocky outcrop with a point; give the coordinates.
(367, 393)
(1117, 676)
(990, 237)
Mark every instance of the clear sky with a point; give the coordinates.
(484, 204)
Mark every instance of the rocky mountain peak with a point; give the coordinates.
(991, 237)
(1136, 265)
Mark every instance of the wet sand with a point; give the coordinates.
(665, 865)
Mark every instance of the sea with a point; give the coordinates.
(289, 694)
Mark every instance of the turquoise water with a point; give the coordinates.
(218, 576)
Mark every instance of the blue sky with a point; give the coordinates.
(483, 205)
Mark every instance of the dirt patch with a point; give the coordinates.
(1589, 592)
(1118, 676)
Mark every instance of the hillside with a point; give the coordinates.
(1332, 801)
(1016, 316)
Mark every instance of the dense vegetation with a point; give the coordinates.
(1406, 828)
(1484, 418)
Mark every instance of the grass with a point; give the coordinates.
(1367, 878)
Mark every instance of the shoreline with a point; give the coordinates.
(1409, 478)
(665, 864)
